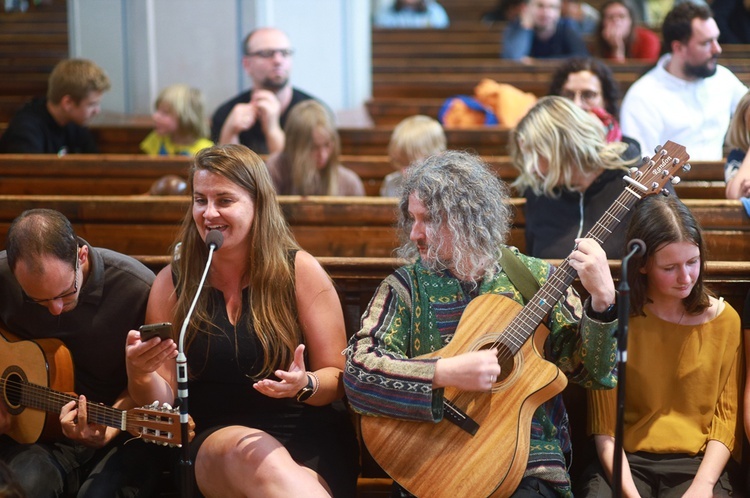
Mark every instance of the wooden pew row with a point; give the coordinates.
(356, 279)
(122, 135)
(132, 174)
(325, 226)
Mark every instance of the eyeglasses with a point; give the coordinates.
(63, 295)
(269, 53)
(587, 96)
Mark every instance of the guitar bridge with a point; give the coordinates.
(454, 414)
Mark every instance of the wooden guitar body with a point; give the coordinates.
(36, 381)
(442, 460)
(45, 362)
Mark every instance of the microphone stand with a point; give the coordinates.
(623, 316)
(186, 478)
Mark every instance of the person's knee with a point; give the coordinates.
(37, 473)
(230, 457)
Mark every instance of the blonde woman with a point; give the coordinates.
(415, 137)
(569, 176)
(180, 125)
(309, 163)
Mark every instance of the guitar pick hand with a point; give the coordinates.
(75, 425)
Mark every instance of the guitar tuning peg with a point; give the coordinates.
(675, 180)
(154, 405)
(167, 407)
(686, 167)
(657, 149)
(645, 160)
(665, 192)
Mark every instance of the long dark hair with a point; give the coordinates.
(603, 48)
(658, 221)
(610, 87)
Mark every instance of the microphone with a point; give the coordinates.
(636, 247)
(214, 240)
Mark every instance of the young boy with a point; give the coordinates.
(56, 124)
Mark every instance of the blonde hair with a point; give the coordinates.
(268, 269)
(77, 78)
(568, 138)
(414, 138)
(187, 105)
(303, 120)
(739, 129)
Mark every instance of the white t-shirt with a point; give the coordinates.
(660, 107)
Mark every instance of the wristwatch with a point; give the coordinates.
(307, 391)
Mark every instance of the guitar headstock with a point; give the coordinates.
(654, 173)
(155, 424)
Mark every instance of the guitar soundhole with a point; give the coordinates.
(13, 389)
(506, 360)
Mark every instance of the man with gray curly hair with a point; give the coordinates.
(454, 219)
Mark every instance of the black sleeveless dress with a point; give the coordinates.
(222, 366)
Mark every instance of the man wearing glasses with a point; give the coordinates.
(53, 284)
(256, 118)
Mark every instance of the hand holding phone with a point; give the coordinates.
(162, 330)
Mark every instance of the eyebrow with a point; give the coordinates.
(57, 296)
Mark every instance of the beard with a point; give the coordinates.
(275, 85)
(705, 70)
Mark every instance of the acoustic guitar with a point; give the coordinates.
(36, 380)
(481, 446)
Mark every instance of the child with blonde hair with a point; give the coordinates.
(180, 124)
(415, 137)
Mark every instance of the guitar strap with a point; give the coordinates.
(520, 276)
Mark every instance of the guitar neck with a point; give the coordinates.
(46, 399)
(550, 293)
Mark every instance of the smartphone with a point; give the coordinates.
(162, 330)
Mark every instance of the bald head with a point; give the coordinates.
(268, 58)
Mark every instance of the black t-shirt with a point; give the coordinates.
(253, 138)
(33, 130)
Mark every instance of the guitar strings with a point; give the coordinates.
(47, 399)
(532, 314)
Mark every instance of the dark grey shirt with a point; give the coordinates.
(112, 301)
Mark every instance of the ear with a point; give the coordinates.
(66, 103)
(83, 255)
(677, 47)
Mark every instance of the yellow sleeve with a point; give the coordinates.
(151, 144)
(726, 425)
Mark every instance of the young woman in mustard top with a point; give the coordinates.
(682, 428)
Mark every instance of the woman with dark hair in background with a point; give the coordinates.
(619, 37)
(589, 83)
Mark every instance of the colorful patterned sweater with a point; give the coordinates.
(416, 311)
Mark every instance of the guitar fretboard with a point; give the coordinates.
(46, 399)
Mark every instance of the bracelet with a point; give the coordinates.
(317, 383)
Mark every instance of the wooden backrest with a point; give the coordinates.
(325, 226)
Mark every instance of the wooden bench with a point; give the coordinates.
(132, 174)
(122, 134)
(325, 226)
(31, 44)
